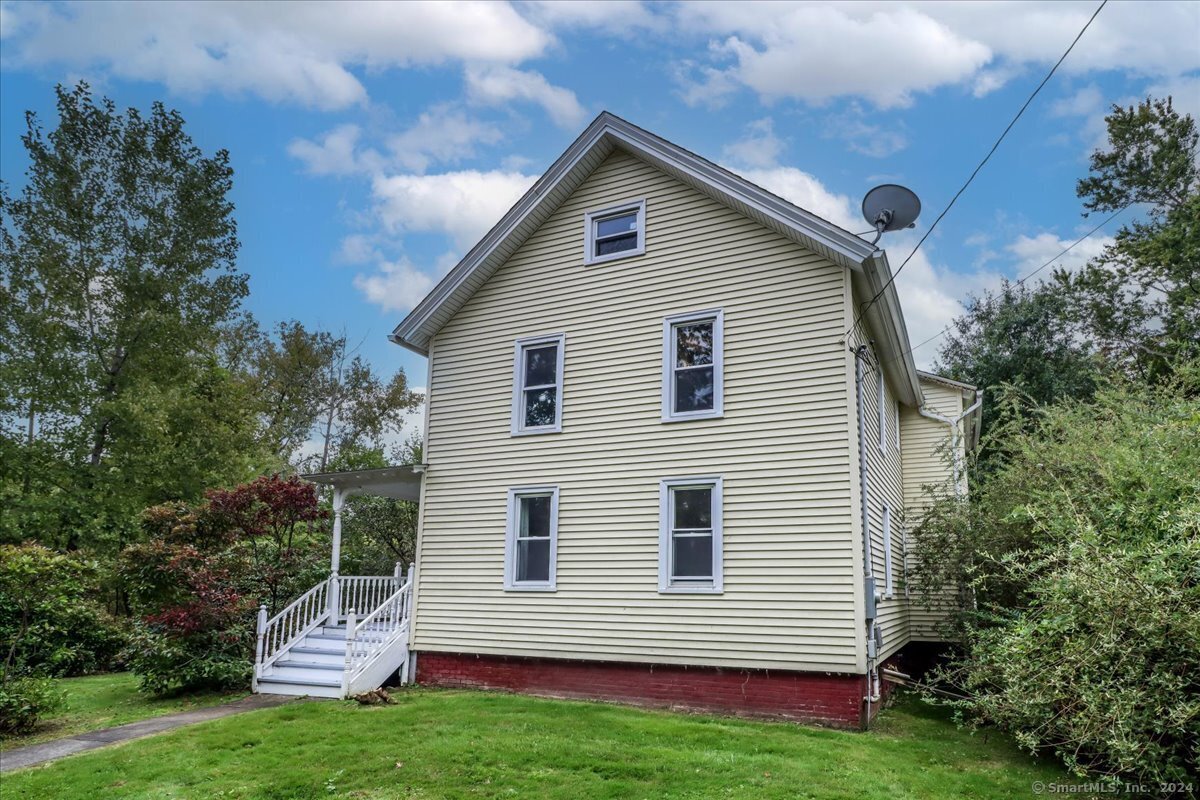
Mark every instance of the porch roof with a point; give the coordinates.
(401, 482)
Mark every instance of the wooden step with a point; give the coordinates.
(297, 688)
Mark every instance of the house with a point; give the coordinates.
(663, 463)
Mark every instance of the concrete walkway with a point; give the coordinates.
(49, 751)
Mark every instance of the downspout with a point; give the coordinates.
(955, 466)
(872, 694)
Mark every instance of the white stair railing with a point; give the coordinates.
(278, 634)
(363, 592)
(367, 639)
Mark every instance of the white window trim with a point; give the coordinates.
(510, 540)
(665, 585)
(883, 414)
(589, 231)
(717, 316)
(518, 417)
(889, 586)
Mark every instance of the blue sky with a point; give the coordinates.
(373, 143)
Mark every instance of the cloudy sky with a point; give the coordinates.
(374, 143)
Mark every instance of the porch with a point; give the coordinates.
(348, 633)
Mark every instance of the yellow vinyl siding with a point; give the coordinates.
(926, 468)
(885, 481)
(789, 580)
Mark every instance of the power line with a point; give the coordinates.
(1021, 281)
(985, 160)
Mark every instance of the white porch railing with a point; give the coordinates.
(364, 593)
(370, 640)
(374, 642)
(277, 635)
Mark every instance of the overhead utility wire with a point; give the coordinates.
(1021, 281)
(985, 160)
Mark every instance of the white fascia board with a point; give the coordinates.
(885, 319)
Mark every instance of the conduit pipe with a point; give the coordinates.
(864, 480)
(953, 423)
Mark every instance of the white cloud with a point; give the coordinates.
(805, 191)
(497, 85)
(759, 147)
(860, 136)
(623, 18)
(462, 204)
(441, 134)
(819, 52)
(297, 52)
(396, 286)
(1032, 252)
(709, 87)
(399, 285)
(336, 153)
(887, 53)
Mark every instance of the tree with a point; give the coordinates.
(1140, 300)
(1075, 566)
(274, 516)
(1135, 308)
(204, 568)
(1021, 337)
(117, 262)
(359, 410)
(378, 532)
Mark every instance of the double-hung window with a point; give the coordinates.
(690, 535)
(531, 545)
(693, 365)
(615, 232)
(537, 385)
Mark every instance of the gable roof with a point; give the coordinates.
(609, 132)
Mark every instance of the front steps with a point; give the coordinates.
(344, 636)
(315, 665)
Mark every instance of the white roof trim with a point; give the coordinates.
(934, 378)
(401, 482)
(606, 133)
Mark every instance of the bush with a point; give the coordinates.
(23, 701)
(166, 662)
(1077, 565)
(50, 620)
(201, 576)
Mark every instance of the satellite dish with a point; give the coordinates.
(890, 208)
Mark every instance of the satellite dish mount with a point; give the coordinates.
(890, 208)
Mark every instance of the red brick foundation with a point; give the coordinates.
(823, 698)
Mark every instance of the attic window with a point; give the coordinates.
(615, 232)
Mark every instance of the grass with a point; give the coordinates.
(462, 744)
(102, 701)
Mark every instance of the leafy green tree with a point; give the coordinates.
(1140, 300)
(50, 620)
(359, 410)
(1020, 337)
(378, 532)
(1076, 564)
(117, 262)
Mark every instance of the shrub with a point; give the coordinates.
(1077, 566)
(166, 661)
(198, 580)
(50, 621)
(23, 701)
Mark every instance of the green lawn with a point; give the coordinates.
(101, 701)
(461, 744)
